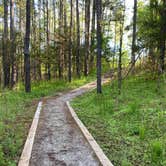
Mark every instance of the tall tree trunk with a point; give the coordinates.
(99, 44)
(120, 49)
(70, 41)
(87, 48)
(54, 16)
(78, 41)
(40, 39)
(26, 47)
(6, 59)
(93, 34)
(163, 37)
(60, 66)
(12, 45)
(120, 60)
(66, 47)
(34, 37)
(48, 44)
(20, 48)
(115, 38)
(134, 36)
(45, 37)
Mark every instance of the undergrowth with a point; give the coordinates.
(131, 127)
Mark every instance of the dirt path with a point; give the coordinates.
(59, 141)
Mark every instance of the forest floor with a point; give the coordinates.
(58, 139)
(131, 127)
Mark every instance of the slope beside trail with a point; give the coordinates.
(58, 140)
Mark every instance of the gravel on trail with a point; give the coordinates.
(58, 140)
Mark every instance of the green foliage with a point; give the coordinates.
(149, 27)
(125, 125)
(148, 33)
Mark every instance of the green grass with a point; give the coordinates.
(130, 128)
(16, 113)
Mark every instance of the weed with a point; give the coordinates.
(142, 132)
(133, 107)
(125, 162)
(157, 150)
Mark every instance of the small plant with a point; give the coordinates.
(125, 162)
(107, 106)
(157, 150)
(2, 157)
(133, 130)
(133, 107)
(142, 132)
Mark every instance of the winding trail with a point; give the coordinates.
(58, 140)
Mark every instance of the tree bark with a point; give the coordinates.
(93, 35)
(120, 58)
(48, 44)
(115, 38)
(55, 69)
(78, 40)
(34, 45)
(66, 47)
(120, 49)
(134, 35)
(99, 44)
(70, 41)
(163, 38)
(26, 47)
(5, 56)
(40, 39)
(60, 53)
(87, 48)
(20, 47)
(12, 45)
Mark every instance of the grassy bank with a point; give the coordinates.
(16, 113)
(130, 128)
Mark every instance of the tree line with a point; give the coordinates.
(48, 39)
